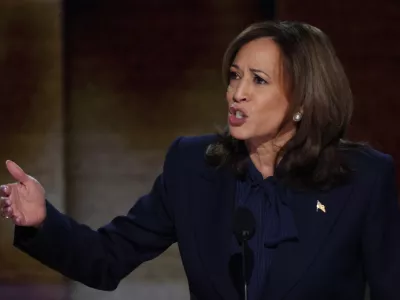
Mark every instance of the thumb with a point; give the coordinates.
(16, 172)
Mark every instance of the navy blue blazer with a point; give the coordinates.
(356, 241)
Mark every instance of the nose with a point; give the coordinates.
(241, 92)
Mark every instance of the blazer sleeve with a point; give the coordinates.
(381, 237)
(101, 258)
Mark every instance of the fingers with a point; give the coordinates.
(7, 211)
(16, 172)
(5, 208)
(5, 202)
(5, 190)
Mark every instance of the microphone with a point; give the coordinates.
(244, 227)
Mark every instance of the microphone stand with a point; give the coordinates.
(244, 228)
(244, 269)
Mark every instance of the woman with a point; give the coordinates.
(324, 211)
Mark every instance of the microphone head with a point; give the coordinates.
(244, 224)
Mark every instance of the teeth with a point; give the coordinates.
(239, 114)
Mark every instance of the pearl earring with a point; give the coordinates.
(297, 117)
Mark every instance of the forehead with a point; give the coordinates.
(258, 53)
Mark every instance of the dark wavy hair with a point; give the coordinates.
(317, 85)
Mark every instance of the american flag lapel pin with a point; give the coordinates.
(320, 206)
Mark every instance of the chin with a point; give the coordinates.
(239, 133)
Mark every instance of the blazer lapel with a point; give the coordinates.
(292, 259)
(212, 217)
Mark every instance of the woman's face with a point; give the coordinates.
(256, 96)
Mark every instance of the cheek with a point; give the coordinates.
(271, 112)
(229, 94)
(269, 104)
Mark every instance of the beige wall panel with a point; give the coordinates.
(139, 77)
(32, 119)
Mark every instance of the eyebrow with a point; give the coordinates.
(252, 70)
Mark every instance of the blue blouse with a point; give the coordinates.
(268, 200)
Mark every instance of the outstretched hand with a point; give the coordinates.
(24, 200)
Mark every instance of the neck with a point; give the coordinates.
(263, 152)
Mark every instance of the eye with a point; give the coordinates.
(259, 80)
(233, 75)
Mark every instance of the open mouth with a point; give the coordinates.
(237, 116)
(238, 113)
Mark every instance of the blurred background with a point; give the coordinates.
(92, 92)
